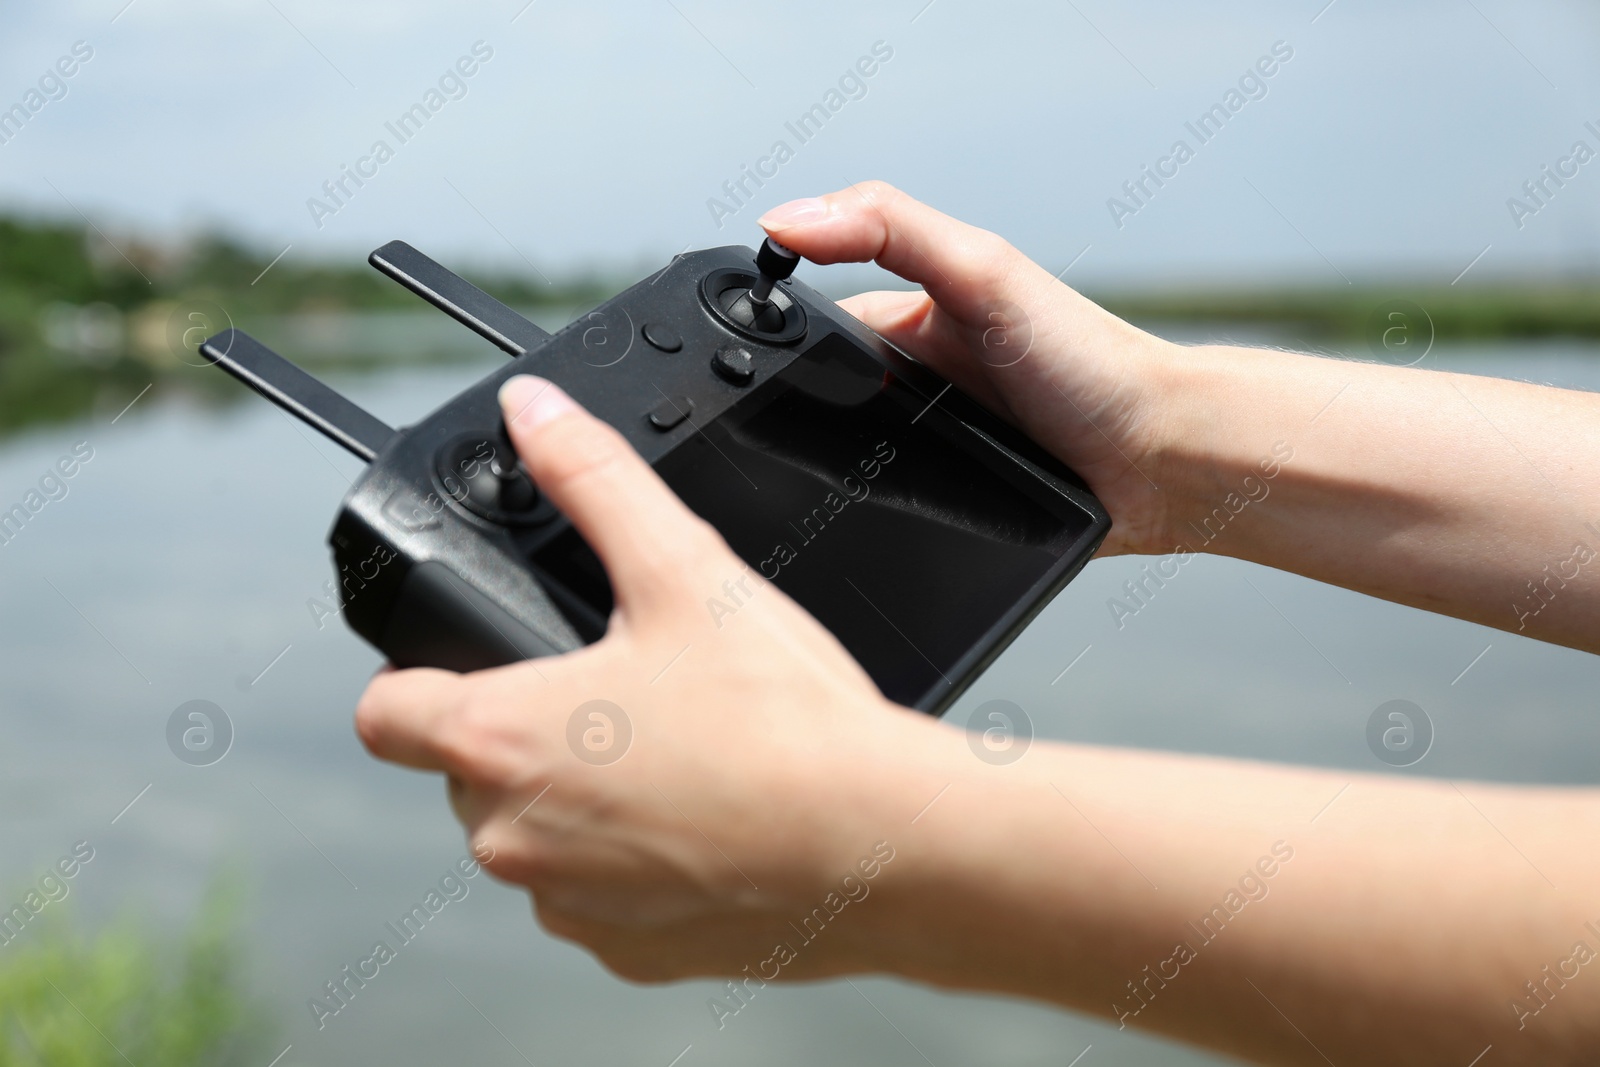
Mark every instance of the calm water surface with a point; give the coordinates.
(179, 567)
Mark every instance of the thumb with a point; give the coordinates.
(647, 539)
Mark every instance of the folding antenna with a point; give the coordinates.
(298, 393)
(458, 298)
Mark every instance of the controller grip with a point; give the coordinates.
(438, 620)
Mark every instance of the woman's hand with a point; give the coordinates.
(678, 793)
(1074, 377)
(698, 791)
(1454, 493)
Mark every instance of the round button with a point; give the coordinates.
(663, 337)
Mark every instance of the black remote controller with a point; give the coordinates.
(923, 531)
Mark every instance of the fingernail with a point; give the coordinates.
(528, 401)
(794, 213)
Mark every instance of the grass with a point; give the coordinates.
(126, 996)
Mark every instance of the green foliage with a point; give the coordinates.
(1345, 314)
(50, 269)
(128, 997)
(42, 261)
(46, 261)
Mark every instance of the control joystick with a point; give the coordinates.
(752, 304)
(775, 263)
(483, 475)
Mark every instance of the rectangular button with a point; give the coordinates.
(670, 412)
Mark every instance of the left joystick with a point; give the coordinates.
(483, 475)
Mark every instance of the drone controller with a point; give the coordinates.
(920, 529)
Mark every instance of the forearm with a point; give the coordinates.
(1475, 497)
(1389, 921)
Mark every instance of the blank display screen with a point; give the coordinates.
(899, 528)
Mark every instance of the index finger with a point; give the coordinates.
(963, 268)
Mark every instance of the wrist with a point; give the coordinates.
(1149, 428)
(961, 904)
(872, 791)
(1219, 442)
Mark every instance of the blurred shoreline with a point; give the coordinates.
(89, 321)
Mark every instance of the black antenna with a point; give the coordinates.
(298, 393)
(458, 298)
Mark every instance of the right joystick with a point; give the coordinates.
(752, 304)
(775, 263)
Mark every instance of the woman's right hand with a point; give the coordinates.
(1074, 377)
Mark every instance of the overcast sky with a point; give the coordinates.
(595, 135)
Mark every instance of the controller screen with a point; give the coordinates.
(903, 531)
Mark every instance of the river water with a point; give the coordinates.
(179, 566)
